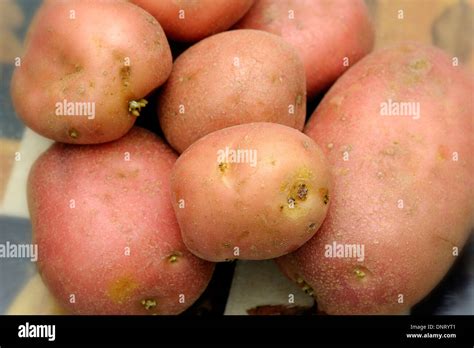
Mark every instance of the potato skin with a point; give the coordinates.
(85, 60)
(224, 203)
(322, 31)
(202, 18)
(118, 204)
(236, 77)
(409, 243)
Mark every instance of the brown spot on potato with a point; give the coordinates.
(149, 303)
(422, 65)
(304, 286)
(324, 194)
(122, 289)
(124, 73)
(302, 192)
(299, 99)
(291, 202)
(223, 166)
(73, 133)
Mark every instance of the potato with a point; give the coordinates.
(253, 191)
(402, 182)
(232, 78)
(108, 240)
(193, 20)
(87, 66)
(324, 32)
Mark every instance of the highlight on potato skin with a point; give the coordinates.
(397, 132)
(253, 191)
(85, 73)
(107, 236)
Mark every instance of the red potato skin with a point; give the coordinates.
(216, 94)
(408, 250)
(322, 31)
(83, 60)
(202, 18)
(247, 207)
(118, 204)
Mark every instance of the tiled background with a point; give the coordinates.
(445, 23)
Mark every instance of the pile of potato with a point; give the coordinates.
(129, 223)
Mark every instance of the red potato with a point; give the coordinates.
(402, 182)
(253, 191)
(193, 20)
(323, 32)
(86, 68)
(236, 77)
(108, 240)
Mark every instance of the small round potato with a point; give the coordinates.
(254, 191)
(232, 78)
(87, 67)
(329, 35)
(193, 20)
(108, 239)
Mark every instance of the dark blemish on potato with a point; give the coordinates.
(122, 289)
(312, 226)
(291, 202)
(281, 207)
(226, 245)
(223, 166)
(304, 286)
(73, 133)
(78, 68)
(149, 304)
(174, 257)
(299, 99)
(324, 193)
(420, 65)
(302, 192)
(124, 73)
(243, 235)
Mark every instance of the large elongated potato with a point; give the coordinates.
(193, 20)
(108, 240)
(231, 78)
(397, 129)
(254, 191)
(329, 35)
(87, 66)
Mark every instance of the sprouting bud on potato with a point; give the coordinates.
(193, 20)
(253, 191)
(329, 35)
(232, 78)
(397, 129)
(108, 240)
(87, 67)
